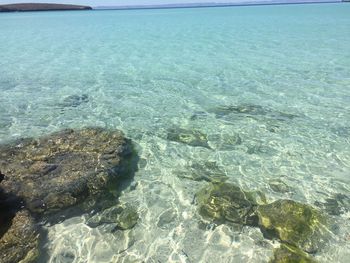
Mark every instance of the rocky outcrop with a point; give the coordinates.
(42, 176)
(64, 168)
(20, 242)
(40, 7)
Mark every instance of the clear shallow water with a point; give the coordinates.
(147, 71)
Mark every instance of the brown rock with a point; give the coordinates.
(64, 168)
(20, 242)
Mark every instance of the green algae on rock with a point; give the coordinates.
(222, 202)
(293, 223)
(289, 254)
(193, 138)
(20, 242)
(64, 168)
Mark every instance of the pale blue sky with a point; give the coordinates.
(133, 2)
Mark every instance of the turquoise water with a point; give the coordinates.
(147, 71)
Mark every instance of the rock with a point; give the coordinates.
(64, 168)
(74, 100)
(225, 141)
(107, 216)
(127, 219)
(260, 149)
(247, 109)
(208, 171)
(193, 138)
(166, 218)
(251, 110)
(123, 217)
(222, 202)
(198, 115)
(20, 242)
(337, 205)
(293, 223)
(289, 254)
(277, 185)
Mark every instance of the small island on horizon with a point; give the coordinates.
(25, 7)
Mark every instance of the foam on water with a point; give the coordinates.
(149, 71)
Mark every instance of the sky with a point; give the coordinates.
(127, 2)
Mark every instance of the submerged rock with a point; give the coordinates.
(107, 216)
(198, 115)
(193, 138)
(260, 149)
(337, 205)
(225, 141)
(123, 217)
(127, 219)
(208, 171)
(74, 100)
(277, 185)
(167, 218)
(247, 109)
(293, 223)
(289, 254)
(20, 242)
(64, 168)
(251, 110)
(221, 202)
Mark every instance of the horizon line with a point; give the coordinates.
(212, 4)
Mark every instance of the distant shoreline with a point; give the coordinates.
(208, 5)
(33, 7)
(30, 7)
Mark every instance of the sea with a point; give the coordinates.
(268, 87)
